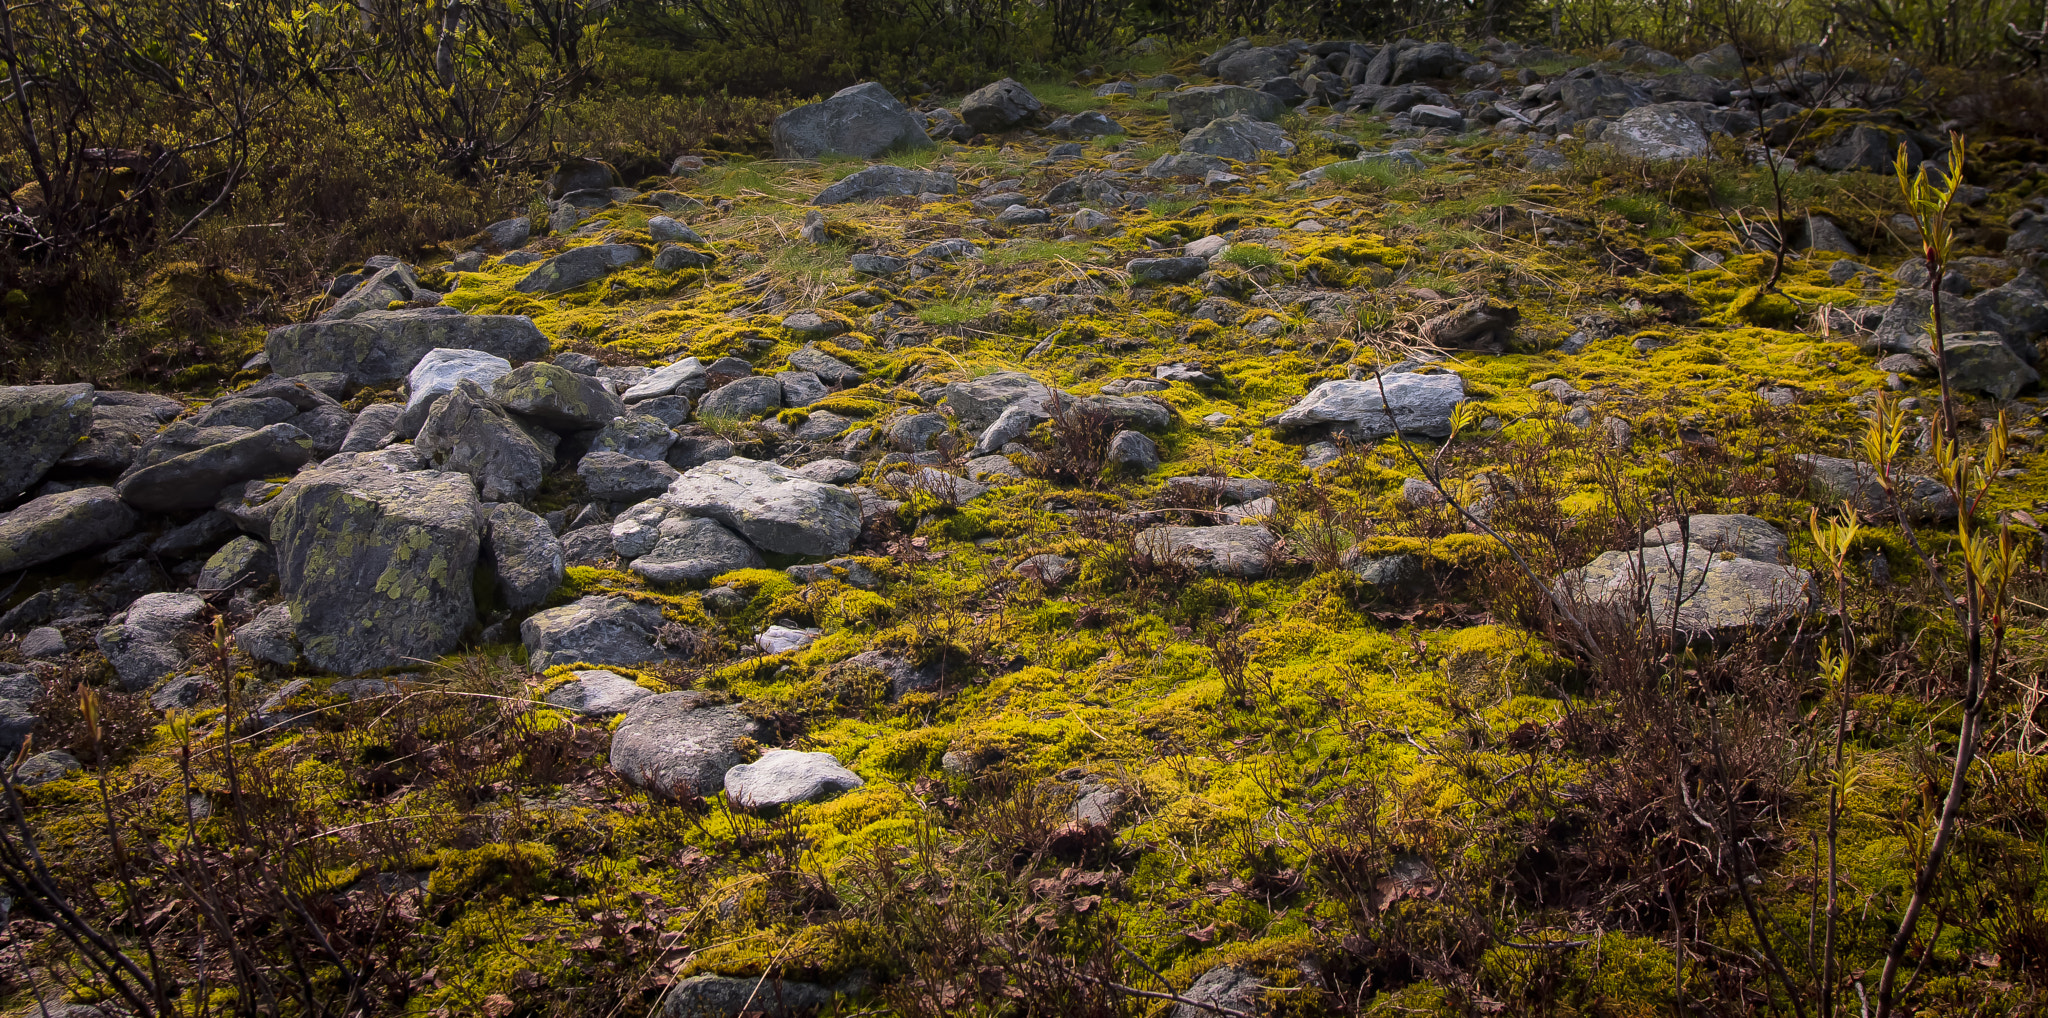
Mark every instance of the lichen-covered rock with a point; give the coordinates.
(556, 397)
(1421, 405)
(598, 693)
(522, 555)
(242, 562)
(469, 433)
(688, 377)
(615, 477)
(392, 284)
(1190, 108)
(976, 403)
(827, 367)
(374, 427)
(596, 630)
(729, 997)
(998, 106)
(1983, 362)
(1835, 480)
(577, 266)
(679, 745)
(194, 480)
(53, 526)
(38, 425)
(1721, 575)
(864, 121)
(1226, 986)
(786, 777)
(1659, 133)
(148, 641)
(693, 550)
(375, 565)
(1246, 552)
(744, 399)
(776, 509)
(111, 441)
(269, 637)
(436, 375)
(1239, 137)
(635, 435)
(376, 347)
(885, 181)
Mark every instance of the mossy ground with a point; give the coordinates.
(1285, 749)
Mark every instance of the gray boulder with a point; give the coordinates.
(242, 562)
(693, 550)
(522, 555)
(1729, 574)
(1421, 404)
(1834, 480)
(435, 376)
(786, 777)
(43, 642)
(53, 526)
(1238, 136)
(194, 480)
(1600, 95)
(998, 106)
(777, 509)
(914, 434)
(1428, 61)
(1190, 108)
(800, 388)
(376, 347)
(1255, 64)
(597, 693)
(1866, 148)
(556, 398)
(1246, 552)
(577, 266)
(1659, 133)
(38, 425)
(1223, 986)
(111, 440)
(392, 284)
(470, 433)
(1983, 362)
(666, 230)
(744, 399)
(977, 403)
(1165, 270)
(1091, 124)
(675, 256)
(269, 637)
(885, 181)
(374, 427)
(147, 642)
(41, 769)
(728, 997)
(1184, 164)
(679, 745)
(688, 377)
(595, 630)
(506, 234)
(864, 121)
(635, 435)
(615, 477)
(1129, 450)
(375, 565)
(1723, 61)
(827, 367)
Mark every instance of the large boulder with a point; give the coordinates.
(1245, 552)
(1430, 60)
(787, 777)
(1238, 137)
(885, 181)
(375, 564)
(777, 509)
(556, 397)
(194, 480)
(38, 425)
(435, 376)
(977, 403)
(53, 526)
(1190, 108)
(1659, 133)
(679, 745)
(616, 477)
(1600, 95)
(1421, 405)
(998, 106)
(1720, 576)
(148, 641)
(743, 399)
(1256, 64)
(864, 121)
(1983, 362)
(595, 630)
(116, 434)
(469, 433)
(691, 549)
(522, 554)
(377, 347)
(827, 367)
(577, 266)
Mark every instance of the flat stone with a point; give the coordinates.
(785, 777)
(616, 477)
(693, 550)
(680, 745)
(885, 181)
(597, 693)
(1421, 404)
(598, 630)
(51, 527)
(194, 480)
(1730, 577)
(577, 266)
(1246, 552)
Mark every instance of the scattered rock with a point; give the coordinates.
(376, 347)
(269, 637)
(555, 397)
(998, 106)
(1421, 405)
(884, 181)
(680, 745)
(777, 509)
(615, 477)
(728, 997)
(864, 121)
(1659, 133)
(744, 399)
(194, 480)
(598, 630)
(1731, 576)
(1834, 480)
(1239, 137)
(577, 266)
(43, 642)
(53, 526)
(522, 555)
(597, 693)
(784, 777)
(1134, 452)
(1190, 108)
(147, 642)
(692, 550)
(470, 433)
(1245, 552)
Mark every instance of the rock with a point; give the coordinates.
(800, 388)
(869, 264)
(435, 376)
(1190, 108)
(978, 402)
(577, 266)
(951, 488)
(597, 693)
(270, 637)
(1397, 576)
(1835, 479)
(1866, 148)
(1132, 451)
(1421, 404)
(581, 173)
(469, 433)
(53, 526)
(743, 399)
(1045, 567)
(595, 630)
(242, 562)
(1600, 95)
(998, 106)
(635, 435)
(673, 411)
(522, 555)
(1823, 234)
(782, 639)
(1723, 61)
(830, 471)
(391, 284)
(111, 440)
(1982, 362)
(1217, 491)
(775, 508)
(1735, 577)
(827, 367)
(813, 325)
(697, 450)
(679, 745)
(1428, 115)
(181, 693)
(1239, 137)
(693, 550)
(615, 477)
(1658, 133)
(506, 234)
(376, 347)
(885, 181)
(375, 565)
(863, 121)
(1428, 61)
(687, 376)
(374, 427)
(556, 398)
(1476, 324)
(672, 257)
(43, 642)
(666, 230)
(1164, 271)
(39, 424)
(145, 643)
(1183, 164)
(194, 480)
(784, 777)
(43, 768)
(727, 997)
(914, 434)
(1245, 552)
(949, 249)
(1091, 124)
(1224, 986)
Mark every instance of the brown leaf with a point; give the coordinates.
(497, 1005)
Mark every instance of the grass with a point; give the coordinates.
(955, 311)
(1036, 252)
(1251, 256)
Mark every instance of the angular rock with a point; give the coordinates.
(374, 427)
(595, 630)
(777, 509)
(615, 477)
(194, 480)
(242, 562)
(43, 768)
(1245, 552)
(1184, 164)
(270, 637)
(43, 642)
(392, 284)
(376, 347)
(786, 777)
(111, 440)
(1190, 108)
(679, 745)
(693, 550)
(53, 526)
(469, 433)
(827, 367)
(1091, 124)
(998, 106)
(1239, 137)
(1835, 480)
(864, 121)
(577, 266)
(914, 434)
(435, 376)
(635, 435)
(885, 181)
(978, 402)
(375, 565)
(506, 234)
(555, 397)
(1476, 324)
(744, 399)
(1421, 404)
(1165, 271)
(1428, 61)
(688, 377)
(1983, 362)
(1730, 577)
(1132, 451)
(38, 425)
(597, 693)
(800, 388)
(146, 642)
(1658, 133)
(522, 555)
(1223, 986)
